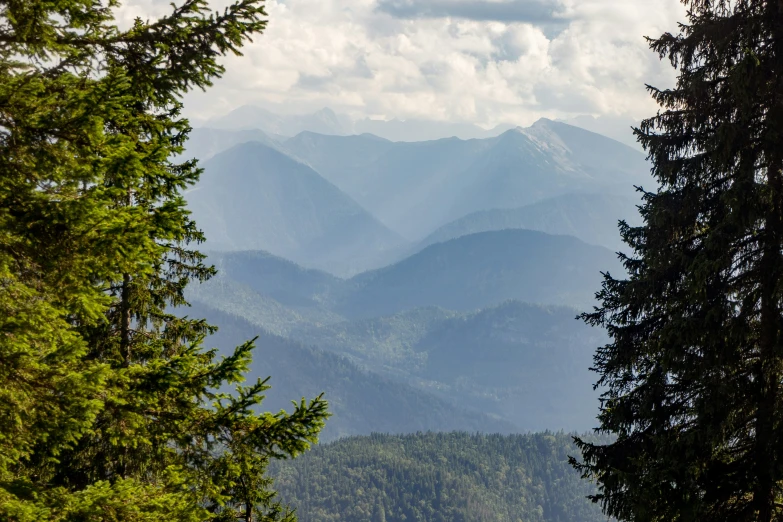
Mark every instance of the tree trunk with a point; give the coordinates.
(769, 372)
(125, 320)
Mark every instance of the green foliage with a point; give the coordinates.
(443, 477)
(109, 408)
(694, 369)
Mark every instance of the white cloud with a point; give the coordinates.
(481, 61)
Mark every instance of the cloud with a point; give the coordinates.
(479, 61)
(530, 11)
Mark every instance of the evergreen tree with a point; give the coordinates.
(379, 513)
(110, 407)
(693, 372)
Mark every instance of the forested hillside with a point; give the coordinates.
(438, 477)
(524, 363)
(483, 269)
(360, 402)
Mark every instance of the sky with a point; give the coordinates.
(486, 62)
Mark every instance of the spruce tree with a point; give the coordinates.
(110, 406)
(692, 375)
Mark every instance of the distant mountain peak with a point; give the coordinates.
(542, 122)
(326, 110)
(328, 115)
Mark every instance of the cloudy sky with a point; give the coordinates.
(481, 61)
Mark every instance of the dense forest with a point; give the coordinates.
(438, 477)
(359, 402)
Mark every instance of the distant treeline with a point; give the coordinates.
(438, 477)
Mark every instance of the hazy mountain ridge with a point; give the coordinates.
(360, 402)
(279, 278)
(374, 319)
(545, 160)
(592, 218)
(416, 187)
(331, 201)
(326, 121)
(483, 269)
(253, 196)
(465, 273)
(525, 363)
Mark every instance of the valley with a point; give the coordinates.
(422, 286)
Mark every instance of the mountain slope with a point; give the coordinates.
(397, 182)
(255, 197)
(593, 218)
(240, 300)
(278, 278)
(204, 143)
(545, 160)
(414, 188)
(361, 403)
(525, 363)
(340, 159)
(438, 477)
(482, 269)
(386, 343)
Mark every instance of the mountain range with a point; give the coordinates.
(414, 188)
(254, 196)
(593, 218)
(347, 204)
(417, 321)
(326, 121)
(465, 273)
(360, 402)
(445, 273)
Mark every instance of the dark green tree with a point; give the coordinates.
(379, 512)
(693, 372)
(110, 407)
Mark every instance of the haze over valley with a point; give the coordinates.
(424, 285)
(448, 270)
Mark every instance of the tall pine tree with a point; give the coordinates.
(694, 368)
(110, 407)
